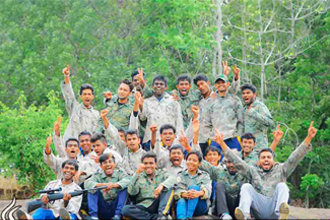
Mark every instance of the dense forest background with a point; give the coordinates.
(281, 46)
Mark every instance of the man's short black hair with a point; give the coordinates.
(104, 157)
(84, 133)
(160, 78)
(134, 73)
(267, 149)
(184, 77)
(98, 136)
(165, 127)
(200, 77)
(249, 87)
(86, 86)
(148, 155)
(197, 153)
(248, 136)
(121, 130)
(131, 132)
(71, 162)
(127, 82)
(177, 146)
(71, 139)
(212, 149)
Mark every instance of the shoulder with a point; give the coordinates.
(203, 173)
(52, 184)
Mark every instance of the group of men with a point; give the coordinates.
(162, 154)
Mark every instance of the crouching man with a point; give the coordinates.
(110, 203)
(66, 208)
(267, 195)
(153, 190)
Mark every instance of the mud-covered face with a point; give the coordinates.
(85, 143)
(203, 87)
(68, 172)
(87, 97)
(132, 142)
(176, 157)
(167, 137)
(248, 96)
(123, 91)
(213, 157)
(266, 160)
(99, 147)
(192, 163)
(150, 165)
(248, 145)
(107, 166)
(72, 149)
(183, 87)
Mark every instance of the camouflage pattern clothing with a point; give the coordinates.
(131, 160)
(192, 98)
(143, 187)
(233, 183)
(165, 111)
(265, 182)
(251, 159)
(81, 118)
(224, 114)
(201, 179)
(204, 105)
(257, 119)
(118, 176)
(74, 203)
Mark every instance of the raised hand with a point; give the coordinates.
(195, 111)
(107, 95)
(140, 168)
(196, 126)
(153, 128)
(236, 72)
(95, 158)
(57, 126)
(104, 113)
(311, 131)
(49, 141)
(66, 71)
(219, 137)
(184, 141)
(174, 94)
(138, 100)
(278, 133)
(225, 67)
(140, 77)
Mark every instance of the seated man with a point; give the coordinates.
(267, 195)
(193, 190)
(248, 142)
(109, 204)
(66, 208)
(153, 190)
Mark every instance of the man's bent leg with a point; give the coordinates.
(98, 207)
(165, 202)
(120, 201)
(136, 212)
(181, 209)
(220, 199)
(281, 195)
(192, 203)
(201, 208)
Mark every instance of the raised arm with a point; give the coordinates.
(49, 158)
(133, 187)
(70, 100)
(277, 137)
(300, 152)
(58, 141)
(134, 120)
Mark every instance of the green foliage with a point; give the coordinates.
(311, 182)
(23, 133)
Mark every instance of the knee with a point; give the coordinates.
(282, 186)
(246, 187)
(195, 188)
(126, 210)
(181, 201)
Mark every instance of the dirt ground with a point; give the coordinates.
(295, 212)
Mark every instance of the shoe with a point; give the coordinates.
(22, 215)
(64, 214)
(116, 217)
(239, 214)
(284, 210)
(225, 216)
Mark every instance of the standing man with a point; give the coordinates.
(225, 114)
(160, 109)
(256, 116)
(83, 117)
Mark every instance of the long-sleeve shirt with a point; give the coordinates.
(265, 182)
(74, 203)
(201, 179)
(81, 118)
(257, 120)
(119, 176)
(143, 187)
(165, 111)
(225, 114)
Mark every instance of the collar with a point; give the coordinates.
(104, 176)
(84, 107)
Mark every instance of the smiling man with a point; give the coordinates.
(267, 195)
(160, 109)
(110, 203)
(153, 190)
(257, 118)
(82, 116)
